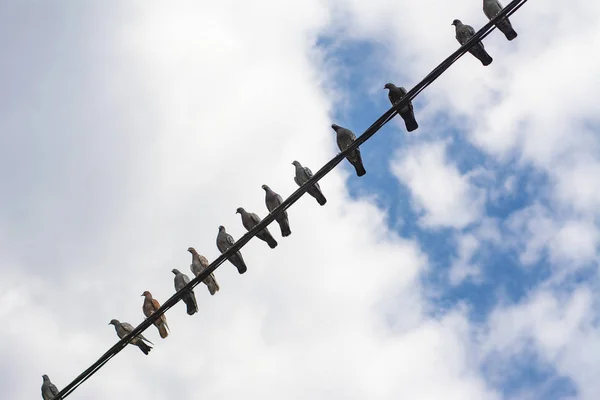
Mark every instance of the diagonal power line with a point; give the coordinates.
(510, 9)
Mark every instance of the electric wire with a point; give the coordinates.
(511, 8)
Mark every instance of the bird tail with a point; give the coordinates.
(321, 199)
(360, 169)
(507, 29)
(241, 266)
(409, 120)
(486, 59)
(316, 193)
(143, 347)
(162, 329)
(284, 225)
(213, 286)
(190, 302)
(271, 242)
(479, 52)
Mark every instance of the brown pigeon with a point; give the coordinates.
(199, 264)
(150, 306)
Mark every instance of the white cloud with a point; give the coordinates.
(534, 107)
(446, 197)
(559, 329)
(463, 268)
(194, 108)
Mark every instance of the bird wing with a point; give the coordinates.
(127, 327)
(155, 304)
(229, 239)
(53, 389)
(308, 172)
(255, 218)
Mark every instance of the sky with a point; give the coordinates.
(463, 265)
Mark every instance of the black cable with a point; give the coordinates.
(367, 134)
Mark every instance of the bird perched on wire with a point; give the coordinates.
(274, 200)
(463, 34)
(224, 242)
(123, 329)
(199, 264)
(49, 390)
(149, 307)
(395, 94)
(250, 220)
(345, 137)
(189, 298)
(491, 8)
(303, 174)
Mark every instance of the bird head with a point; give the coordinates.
(265, 187)
(221, 228)
(175, 271)
(114, 322)
(239, 210)
(389, 86)
(335, 127)
(456, 22)
(147, 294)
(45, 377)
(191, 250)
(296, 163)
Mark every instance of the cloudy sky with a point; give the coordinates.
(463, 265)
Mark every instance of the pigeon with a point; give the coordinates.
(199, 264)
(491, 8)
(250, 220)
(49, 390)
(188, 298)
(345, 137)
(303, 174)
(273, 200)
(150, 306)
(407, 113)
(224, 242)
(463, 34)
(123, 329)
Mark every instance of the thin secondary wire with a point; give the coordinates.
(367, 134)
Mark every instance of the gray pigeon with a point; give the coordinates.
(491, 8)
(250, 220)
(224, 242)
(463, 34)
(345, 137)
(123, 329)
(303, 174)
(199, 264)
(49, 390)
(395, 94)
(189, 298)
(273, 200)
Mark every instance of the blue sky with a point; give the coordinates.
(502, 275)
(463, 265)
